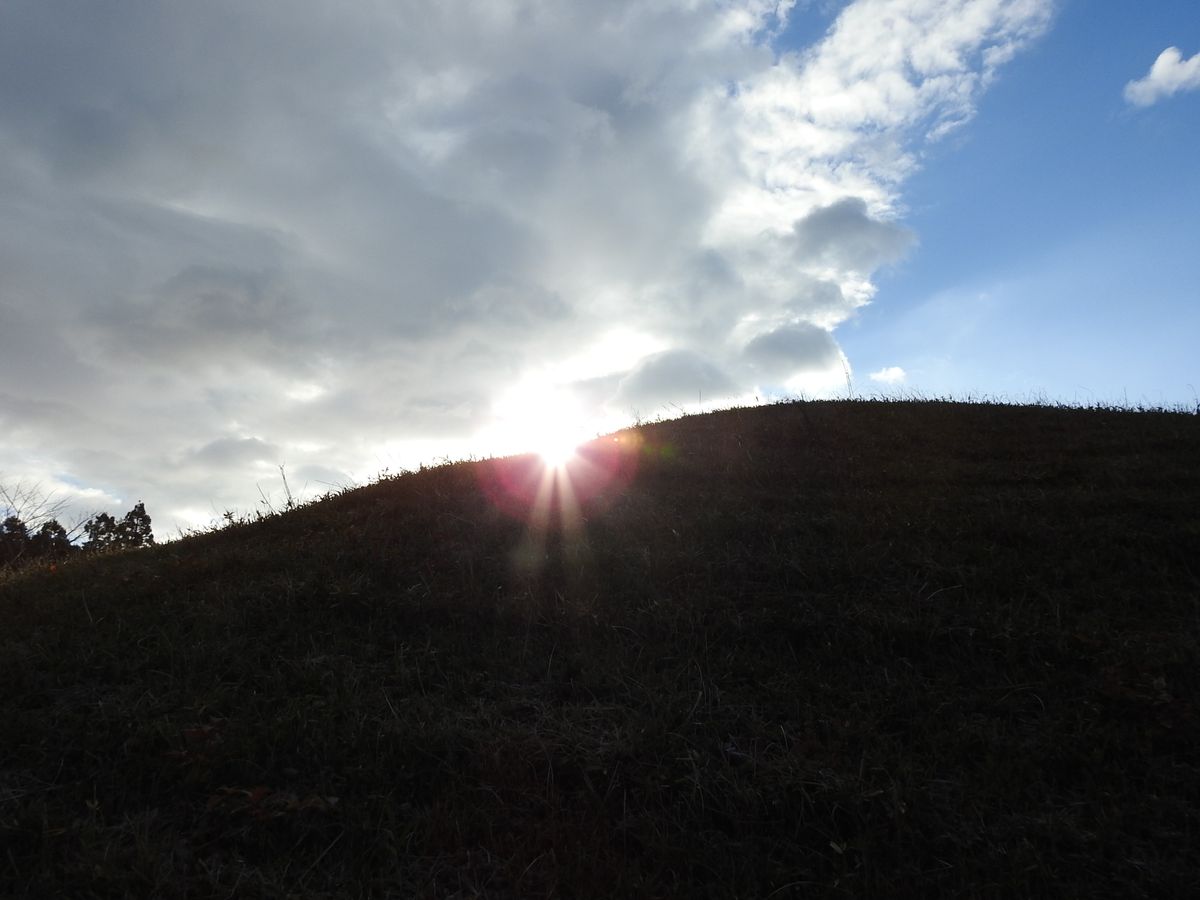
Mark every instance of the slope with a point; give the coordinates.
(814, 649)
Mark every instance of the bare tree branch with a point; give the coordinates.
(34, 506)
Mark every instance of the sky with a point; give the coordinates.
(344, 239)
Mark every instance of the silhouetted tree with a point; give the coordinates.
(101, 531)
(31, 530)
(51, 542)
(14, 539)
(37, 513)
(135, 527)
(104, 532)
(31, 504)
(18, 544)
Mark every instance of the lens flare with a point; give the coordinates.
(552, 473)
(556, 451)
(594, 475)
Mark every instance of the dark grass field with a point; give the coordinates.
(836, 649)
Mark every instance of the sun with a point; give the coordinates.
(541, 419)
(548, 467)
(556, 450)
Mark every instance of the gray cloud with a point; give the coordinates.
(208, 314)
(813, 295)
(794, 348)
(672, 377)
(230, 452)
(507, 305)
(844, 237)
(352, 228)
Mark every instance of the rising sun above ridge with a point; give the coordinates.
(556, 450)
(541, 419)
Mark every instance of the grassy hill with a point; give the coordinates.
(811, 650)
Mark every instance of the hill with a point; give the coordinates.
(816, 649)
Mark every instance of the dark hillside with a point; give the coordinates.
(811, 650)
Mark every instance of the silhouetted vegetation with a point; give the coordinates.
(818, 649)
(17, 544)
(106, 533)
(31, 533)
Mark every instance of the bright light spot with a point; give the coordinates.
(556, 452)
(541, 419)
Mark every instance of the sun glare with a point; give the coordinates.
(541, 420)
(556, 450)
(548, 467)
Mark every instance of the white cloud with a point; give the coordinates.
(350, 229)
(889, 375)
(1169, 75)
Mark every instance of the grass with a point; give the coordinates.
(834, 649)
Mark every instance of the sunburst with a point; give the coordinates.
(541, 419)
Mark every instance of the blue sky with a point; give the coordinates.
(342, 238)
(1058, 232)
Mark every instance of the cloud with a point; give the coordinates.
(1170, 74)
(352, 229)
(792, 349)
(205, 314)
(889, 375)
(236, 452)
(843, 237)
(319, 479)
(672, 377)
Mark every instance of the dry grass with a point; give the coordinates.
(817, 649)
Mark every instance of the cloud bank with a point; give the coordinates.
(239, 235)
(1171, 74)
